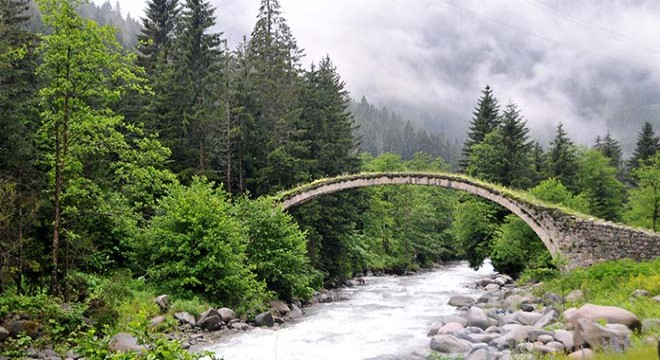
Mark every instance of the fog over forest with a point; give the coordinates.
(595, 68)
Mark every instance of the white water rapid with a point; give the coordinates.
(387, 316)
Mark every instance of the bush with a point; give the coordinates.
(198, 249)
(277, 249)
(517, 247)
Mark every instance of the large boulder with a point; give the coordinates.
(295, 313)
(227, 314)
(615, 336)
(185, 318)
(210, 320)
(477, 317)
(279, 306)
(25, 327)
(264, 319)
(124, 342)
(461, 300)
(454, 318)
(449, 344)
(565, 337)
(610, 314)
(163, 302)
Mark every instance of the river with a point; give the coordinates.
(389, 315)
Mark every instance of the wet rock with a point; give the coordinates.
(324, 298)
(449, 328)
(163, 302)
(582, 354)
(185, 318)
(124, 342)
(492, 287)
(434, 329)
(575, 295)
(454, 318)
(461, 300)
(449, 344)
(280, 307)
(210, 322)
(295, 313)
(264, 319)
(477, 317)
(227, 314)
(240, 326)
(611, 315)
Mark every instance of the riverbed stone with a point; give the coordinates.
(265, 319)
(461, 300)
(477, 317)
(485, 337)
(581, 354)
(454, 318)
(157, 320)
(280, 307)
(544, 339)
(4, 333)
(520, 333)
(656, 298)
(556, 345)
(492, 287)
(295, 313)
(527, 318)
(163, 302)
(450, 328)
(125, 342)
(615, 336)
(481, 353)
(449, 344)
(640, 293)
(565, 337)
(548, 318)
(503, 342)
(534, 334)
(240, 326)
(611, 315)
(185, 318)
(227, 314)
(210, 322)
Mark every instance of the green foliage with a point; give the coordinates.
(599, 186)
(612, 283)
(199, 249)
(643, 208)
(277, 249)
(516, 247)
(474, 227)
(554, 192)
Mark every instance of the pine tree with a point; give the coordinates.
(516, 148)
(611, 148)
(157, 35)
(275, 58)
(647, 145)
(562, 159)
(485, 119)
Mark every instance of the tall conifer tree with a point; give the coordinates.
(562, 159)
(516, 149)
(647, 145)
(157, 35)
(485, 119)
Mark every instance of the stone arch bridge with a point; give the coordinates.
(582, 240)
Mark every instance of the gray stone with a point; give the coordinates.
(461, 300)
(565, 337)
(434, 329)
(163, 302)
(4, 333)
(503, 342)
(295, 313)
(545, 339)
(556, 345)
(575, 295)
(485, 338)
(71, 354)
(640, 293)
(26, 327)
(264, 319)
(535, 333)
(449, 344)
(581, 354)
(227, 314)
(185, 318)
(615, 336)
(124, 342)
(527, 307)
(449, 328)
(481, 354)
(548, 318)
(520, 333)
(528, 318)
(492, 287)
(656, 298)
(155, 321)
(477, 317)
(610, 314)
(649, 325)
(551, 298)
(240, 326)
(280, 307)
(454, 318)
(210, 322)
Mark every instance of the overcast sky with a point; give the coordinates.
(594, 65)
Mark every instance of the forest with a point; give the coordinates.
(153, 162)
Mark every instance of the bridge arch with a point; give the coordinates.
(582, 240)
